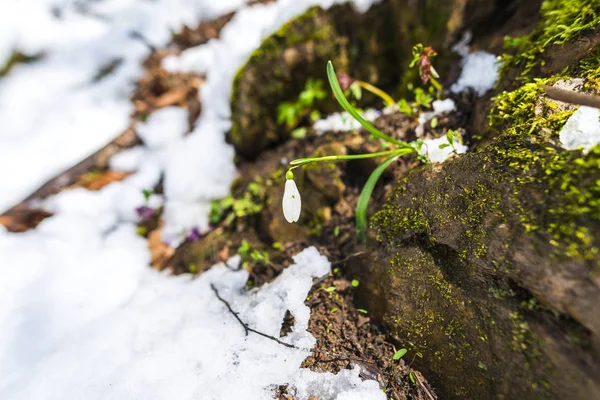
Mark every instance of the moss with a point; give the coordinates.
(561, 22)
(569, 179)
(468, 242)
(276, 72)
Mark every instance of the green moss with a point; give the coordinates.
(561, 22)
(276, 72)
(569, 179)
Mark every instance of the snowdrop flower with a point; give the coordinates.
(291, 199)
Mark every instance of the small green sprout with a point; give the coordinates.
(355, 283)
(336, 231)
(434, 122)
(244, 249)
(399, 354)
(299, 133)
(147, 193)
(412, 378)
(193, 268)
(334, 309)
(291, 114)
(362, 311)
(330, 289)
(452, 138)
(141, 230)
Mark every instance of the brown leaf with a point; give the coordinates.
(161, 253)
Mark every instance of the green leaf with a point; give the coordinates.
(365, 196)
(299, 133)
(450, 137)
(362, 311)
(434, 122)
(356, 91)
(147, 193)
(330, 289)
(355, 283)
(339, 95)
(315, 115)
(412, 378)
(444, 145)
(398, 355)
(405, 108)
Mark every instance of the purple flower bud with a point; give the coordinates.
(194, 234)
(145, 212)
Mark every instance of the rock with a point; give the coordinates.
(487, 264)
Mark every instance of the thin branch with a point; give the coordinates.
(246, 327)
(571, 97)
(427, 392)
(347, 258)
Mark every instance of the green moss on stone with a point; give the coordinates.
(561, 22)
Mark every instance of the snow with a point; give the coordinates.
(479, 69)
(57, 105)
(145, 335)
(431, 147)
(582, 130)
(342, 121)
(439, 107)
(82, 314)
(163, 127)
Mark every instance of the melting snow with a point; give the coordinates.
(479, 69)
(82, 314)
(582, 130)
(435, 154)
(342, 121)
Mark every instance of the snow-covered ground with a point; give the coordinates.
(82, 314)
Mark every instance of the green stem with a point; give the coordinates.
(303, 161)
(339, 95)
(435, 84)
(387, 99)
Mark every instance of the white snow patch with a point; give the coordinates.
(479, 69)
(193, 60)
(439, 107)
(163, 126)
(342, 121)
(112, 328)
(431, 147)
(582, 130)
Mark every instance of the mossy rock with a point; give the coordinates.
(487, 265)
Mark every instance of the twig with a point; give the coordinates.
(347, 258)
(568, 96)
(424, 387)
(246, 327)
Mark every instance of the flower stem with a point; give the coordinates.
(387, 99)
(398, 152)
(435, 84)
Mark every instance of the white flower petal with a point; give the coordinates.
(291, 203)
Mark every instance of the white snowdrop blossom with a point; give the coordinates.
(292, 204)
